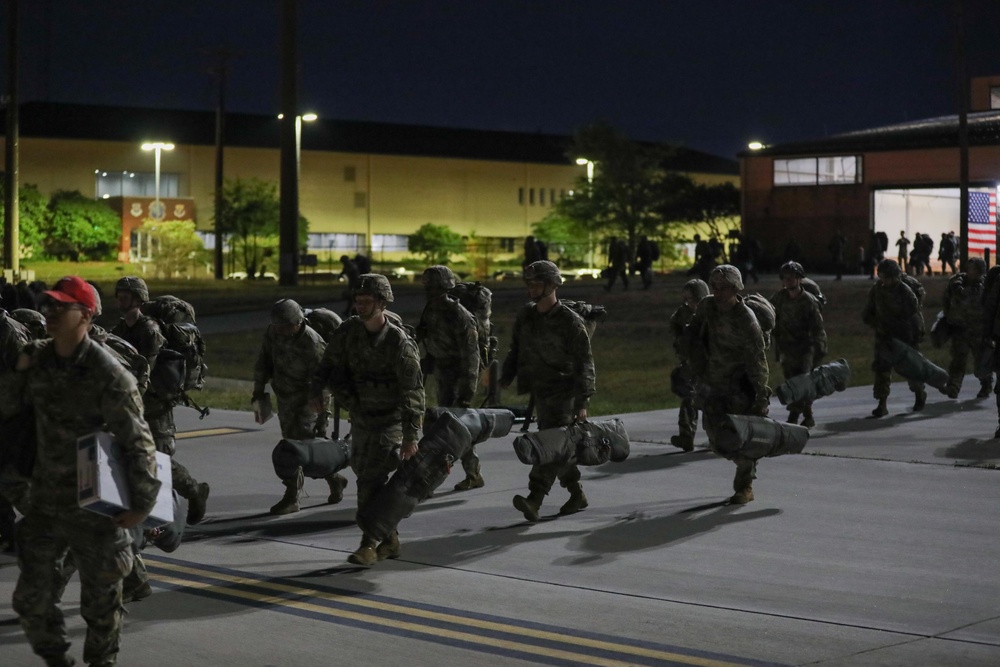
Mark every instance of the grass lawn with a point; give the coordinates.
(632, 348)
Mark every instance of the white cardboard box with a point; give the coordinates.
(102, 486)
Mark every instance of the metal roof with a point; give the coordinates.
(106, 123)
(941, 132)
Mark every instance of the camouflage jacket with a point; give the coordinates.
(893, 313)
(727, 348)
(288, 362)
(376, 376)
(74, 397)
(798, 328)
(13, 337)
(963, 303)
(550, 354)
(678, 321)
(145, 336)
(449, 334)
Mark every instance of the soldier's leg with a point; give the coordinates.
(551, 413)
(883, 379)
(569, 479)
(447, 395)
(746, 473)
(919, 390)
(103, 556)
(687, 424)
(374, 457)
(957, 365)
(41, 550)
(473, 471)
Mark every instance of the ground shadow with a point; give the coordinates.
(450, 550)
(641, 530)
(665, 460)
(973, 450)
(867, 423)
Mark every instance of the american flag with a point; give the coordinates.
(983, 221)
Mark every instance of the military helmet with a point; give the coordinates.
(726, 274)
(33, 320)
(286, 311)
(979, 263)
(697, 287)
(97, 298)
(439, 276)
(134, 285)
(374, 284)
(793, 268)
(543, 270)
(889, 268)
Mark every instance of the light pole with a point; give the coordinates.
(590, 186)
(307, 117)
(157, 210)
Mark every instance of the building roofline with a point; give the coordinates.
(55, 120)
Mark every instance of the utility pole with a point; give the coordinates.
(963, 139)
(11, 226)
(221, 70)
(288, 234)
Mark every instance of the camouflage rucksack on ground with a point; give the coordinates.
(478, 300)
(180, 365)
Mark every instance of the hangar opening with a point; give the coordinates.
(935, 211)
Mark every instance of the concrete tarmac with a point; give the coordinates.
(877, 546)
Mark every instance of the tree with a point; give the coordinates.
(623, 198)
(717, 207)
(564, 236)
(31, 212)
(251, 213)
(78, 227)
(435, 242)
(176, 246)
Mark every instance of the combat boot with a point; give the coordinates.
(471, 482)
(337, 484)
(577, 500)
(742, 497)
(366, 554)
(685, 442)
(951, 391)
(198, 504)
(984, 390)
(880, 410)
(807, 418)
(59, 661)
(743, 482)
(793, 417)
(920, 400)
(529, 506)
(389, 548)
(290, 501)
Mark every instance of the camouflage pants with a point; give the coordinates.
(374, 456)
(687, 418)
(964, 343)
(456, 391)
(715, 408)
(163, 429)
(102, 554)
(553, 412)
(297, 419)
(792, 365)
(883, 373)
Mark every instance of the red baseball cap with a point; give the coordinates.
(73, 289)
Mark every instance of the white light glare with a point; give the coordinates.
(755, 145)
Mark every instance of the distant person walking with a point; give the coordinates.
(902, 254)
(836, 247)
(618, 256)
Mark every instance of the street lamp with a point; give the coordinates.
(590, 168)
(755, 145)
(590, 187)
(307, 117)
(157, 210)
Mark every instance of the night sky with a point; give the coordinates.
(708, 74)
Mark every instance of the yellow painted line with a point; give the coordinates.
(222, 430)
(428, 614)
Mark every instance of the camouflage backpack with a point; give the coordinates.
(592, 315)
(809, 285)
(180, 365)
(763, 310)
(323, 321)
(125, 353)
(478, 300)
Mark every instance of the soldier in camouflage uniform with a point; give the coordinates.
(687, 419)
(893, 311)
(798, 335)
(288, 357)
(726, 347)
(373, 368)
(550, 358)
(144, 333)
(451, 340)
(13, 487)
(74, 387)
(963, 311)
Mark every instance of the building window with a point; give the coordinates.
(507, 244)
(826, 170)
(520, 196)
(333, 242)
(350, 174)
(541, 196)
(994, 97)
(531, 196)
(552, 196)
(360, 199)
(389, 242)
(134, 184)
